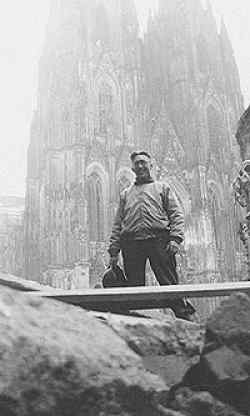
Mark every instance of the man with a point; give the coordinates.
(149, 224)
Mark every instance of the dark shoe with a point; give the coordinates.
(185, 315)
(184, 309)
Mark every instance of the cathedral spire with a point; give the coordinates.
(210, 18)
(225, 40)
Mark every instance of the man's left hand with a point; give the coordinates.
(173, 247)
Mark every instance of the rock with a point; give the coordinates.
(168, 347)
(57, 359)
(230, 324)
(200, 404)
(224, 367)
(19, 283)
(168, 412)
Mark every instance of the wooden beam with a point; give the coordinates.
(149, 297)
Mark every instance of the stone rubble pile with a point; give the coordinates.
(60, 360)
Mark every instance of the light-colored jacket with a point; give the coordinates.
(146, 211)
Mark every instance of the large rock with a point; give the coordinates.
(57, 359)
(200, 404)
(168, 346)
(230, 324)
(224, 367)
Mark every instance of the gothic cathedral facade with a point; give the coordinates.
(105, 90)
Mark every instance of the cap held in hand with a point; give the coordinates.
(114, 278)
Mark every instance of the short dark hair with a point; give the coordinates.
(134, 154)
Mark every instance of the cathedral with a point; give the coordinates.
(107, 89)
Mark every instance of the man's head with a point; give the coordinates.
(141, 165)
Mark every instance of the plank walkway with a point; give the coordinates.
(132, 298)
(135, 298)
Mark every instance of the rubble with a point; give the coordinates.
(60, 360)
(168, 347)
(224, 367)
(56, 359)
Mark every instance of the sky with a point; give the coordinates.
(22, 29)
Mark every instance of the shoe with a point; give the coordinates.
(185, 315)
(183, 309)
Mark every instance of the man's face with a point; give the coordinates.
(142, 166)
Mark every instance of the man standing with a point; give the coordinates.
(149, 224)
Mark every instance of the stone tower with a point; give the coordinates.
(193, 101)
(84, 127)
(105, 91)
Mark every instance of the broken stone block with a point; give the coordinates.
(168, 347)
(192, 403)
(224, 367)
(56, 359)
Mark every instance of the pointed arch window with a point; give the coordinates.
(105, 107)
(216, 131)
(95, 208)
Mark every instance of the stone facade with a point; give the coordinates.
(11, 235)
(243, 135)
(241, 184)
(105, 90)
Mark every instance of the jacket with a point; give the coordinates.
(146, 211)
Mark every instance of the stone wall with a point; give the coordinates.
(11, 235)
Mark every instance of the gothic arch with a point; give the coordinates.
(216, 126)
(215, 188)
(108, 108)
(97, 201)
(107, 77)
(105, 108)
(96, 167)
(211, 98)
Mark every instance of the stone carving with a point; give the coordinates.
(241, 185)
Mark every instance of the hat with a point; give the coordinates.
(114, 278)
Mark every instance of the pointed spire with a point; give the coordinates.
(210, 16)
(225, 40)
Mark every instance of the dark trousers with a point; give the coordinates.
(135, 254)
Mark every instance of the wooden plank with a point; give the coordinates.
(149, 297)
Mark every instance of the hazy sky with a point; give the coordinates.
(22, 25)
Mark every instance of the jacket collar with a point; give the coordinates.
(143, 181)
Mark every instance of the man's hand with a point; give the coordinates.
(113, 261)
(173, 247)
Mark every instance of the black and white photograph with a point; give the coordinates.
(125, 208)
